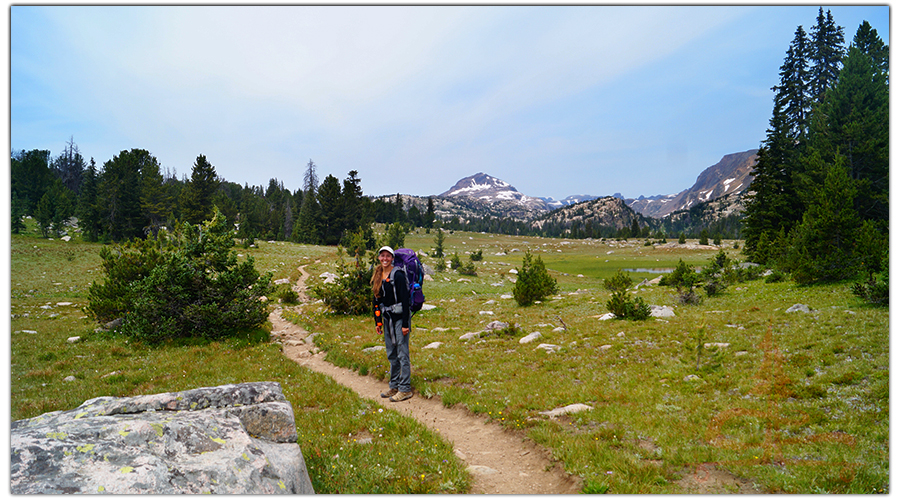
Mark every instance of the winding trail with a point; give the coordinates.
(499, 461)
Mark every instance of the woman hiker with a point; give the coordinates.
(392, 315)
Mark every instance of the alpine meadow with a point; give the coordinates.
(737, 345)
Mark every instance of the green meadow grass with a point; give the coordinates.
(351, 445)
(797, 403)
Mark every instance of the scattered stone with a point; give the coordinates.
(374, 348)
(530, 337)
(480, 469)
(328, 277)
(620, 334)
(464, 280)
(573, 408)
(492, 301)
(605, 347)
(513, 271)
(111, 374)
(486, 313)
(506, 296)
(428, 307)
(691, 378)
(283, 281)
(469, 336)
(29, 331)
(234, 439)
(63, 304)
(662, 312)
(70, 378)
(66, 238)
(441, 329)
(719, 345)
(550, 348)
(73, 340)
(741, 353)
(559, 329)
(798, 308)
(433, 345)
(496, 325)
(607, 316)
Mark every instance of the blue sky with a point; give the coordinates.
(554, 100)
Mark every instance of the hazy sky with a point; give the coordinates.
(554, 100)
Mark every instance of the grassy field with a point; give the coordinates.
(796, 402)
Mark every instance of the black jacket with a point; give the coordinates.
(394, 290)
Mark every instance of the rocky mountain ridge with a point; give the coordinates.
(731, 175)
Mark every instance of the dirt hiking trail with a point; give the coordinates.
(499, 461)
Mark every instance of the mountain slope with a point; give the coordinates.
(729, 176)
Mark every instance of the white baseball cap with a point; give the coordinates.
(386, 248)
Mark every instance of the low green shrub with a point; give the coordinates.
(533, 282)
(189, 286)
(625, 307)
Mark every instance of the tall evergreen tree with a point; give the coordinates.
(772, 205)
(868, 42)
(351, 203)
(826, 53)
(306, 229)
(330, 205)
(853, 122)
(69, 166)
(155, 205)
(30, 176)
(54, 208)
(88, 211)
(792, 91)
(119, 194)
(196, 197)
(429, 214)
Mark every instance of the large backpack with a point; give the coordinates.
(406, 259)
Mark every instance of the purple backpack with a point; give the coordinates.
(406, 259)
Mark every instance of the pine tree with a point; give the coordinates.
(87, 211)
(771, 203)
(155, 204)
(306, 229)
(853, 122)
(330, 205)
(30, 176)
(826, 53)
(351, 204)
(69, 166)
(868, 42)
(822, 246)
(429, 215)
(119, 195)
(792, 92)
(196, 198)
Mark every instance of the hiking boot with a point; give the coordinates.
(389, 393)
(401, 396)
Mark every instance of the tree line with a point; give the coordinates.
(817, 206)
(131, 196)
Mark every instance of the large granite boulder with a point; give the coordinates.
(238, 439)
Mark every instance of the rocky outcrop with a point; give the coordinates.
(232, 439)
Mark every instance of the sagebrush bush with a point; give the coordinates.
(190, 286)
(476, 256)
(287, 295)
(533, 282)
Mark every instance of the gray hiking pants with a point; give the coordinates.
(397, 346)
